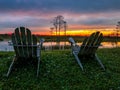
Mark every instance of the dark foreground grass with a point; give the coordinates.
(59, 71)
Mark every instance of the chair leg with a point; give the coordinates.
(38, 66)
(78, 60)
(96, 57)
(11, 65)
(38, 57)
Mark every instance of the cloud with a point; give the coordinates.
(79, 14)
(74, 20)
(83, 6)
(12, 21)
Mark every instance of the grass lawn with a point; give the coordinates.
(60, 71)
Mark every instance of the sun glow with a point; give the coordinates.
(82, 32)
(85, 32)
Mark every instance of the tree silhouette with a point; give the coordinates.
(117, 30)
(59, 24)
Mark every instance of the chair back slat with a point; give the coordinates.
(18, 39)
(97, 43)
(24, 41)
(88, 41)
(14, 44)
(96, 35)
(92, 44)
(29, 39)
(82, 48)
(34, 49)
(99, 39)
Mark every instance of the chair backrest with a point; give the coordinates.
(90, 44)
(25, 44)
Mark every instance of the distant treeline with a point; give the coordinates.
(4, 37)
(77, 38)
(61, 38)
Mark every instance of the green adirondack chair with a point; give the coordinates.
(25, 46)
(88, 48)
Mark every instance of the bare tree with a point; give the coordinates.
(55, 24)
(65, 26)
(59, 23)
(51, 30)
(117, 30)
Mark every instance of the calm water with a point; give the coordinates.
(47, 45)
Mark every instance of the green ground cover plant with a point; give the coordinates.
(60, 71)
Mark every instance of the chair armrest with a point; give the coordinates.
(71, 40)
(41, 41)
(10, 43)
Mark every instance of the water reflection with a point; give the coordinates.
(5, 47)
(110, 44)
(55, 45)
(103, 44)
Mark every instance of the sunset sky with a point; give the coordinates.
(80, 15)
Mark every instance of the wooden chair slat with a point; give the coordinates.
(23, 35)
(83, 45)
(24, 41)
(92, 44)
(88, 41)
(98, 43)
(18, 39)
(34, 49)
(100, 38)
(95, 38)
(29, 39)
(15, 43)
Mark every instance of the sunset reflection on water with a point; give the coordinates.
(103, 44)
(5, 47)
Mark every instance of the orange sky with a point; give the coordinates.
(77, 30)
(80, 32)
(81, 18)
(86, 32)
(71, 32)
